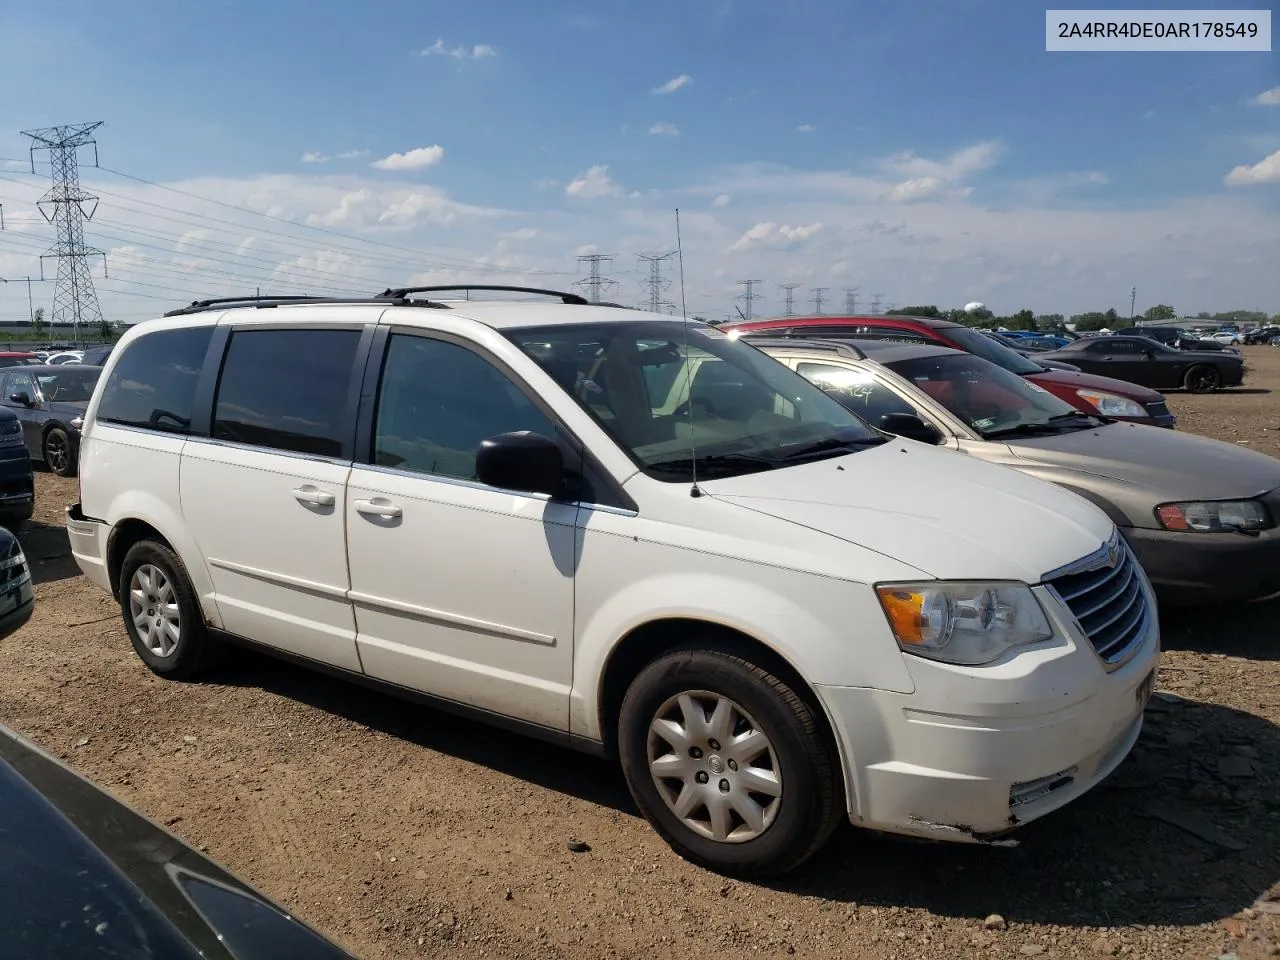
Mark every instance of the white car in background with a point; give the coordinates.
(65, 356)
(1230, 338)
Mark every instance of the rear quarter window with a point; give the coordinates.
(153, 384)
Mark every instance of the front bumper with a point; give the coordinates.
(1193, 568)
(977, 752)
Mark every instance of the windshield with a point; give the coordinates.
(983, 346)
(990, 400)
(738, 409)
(68, 386)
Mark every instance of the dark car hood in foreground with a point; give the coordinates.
(1089, 381)
(83, 875)
(1137, 466)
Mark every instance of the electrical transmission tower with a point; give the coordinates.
(789, 290)
(74, 299)
(749, 296)
(818, 299)
(594, 282)
(850, 299)
(655, 282)
(875, 302)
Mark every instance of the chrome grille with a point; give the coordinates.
(1104, 592)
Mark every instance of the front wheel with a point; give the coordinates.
(728, 763)
(1202, 379)
(162, 614)
(58, 455)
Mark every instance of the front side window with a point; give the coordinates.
(70, 384)
(438, 401)
(287, 389)
(857, 389)
(992, 401)
(153, 384)
(668, 395)
(18, 382)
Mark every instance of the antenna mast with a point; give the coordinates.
(688, 367)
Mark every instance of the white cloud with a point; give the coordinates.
(352, 154)
(312, 157)
(674, 84)
(771, 234)
(546, 183)
(662, 128)
(722, 200)
(524, 233)
(478, 51)
(1268, 98)
(1266, 170)
(916, 188)
(585, 250)
(806, 128)
(414, 159)
(593, 183)
(931, 178)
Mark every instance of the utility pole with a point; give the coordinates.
(656, 283)
(875, 302)
(749, 296)
(74, 299)
(1133, 297)
(593, 282)
(850, 300)
(789, 289)
(817, 299)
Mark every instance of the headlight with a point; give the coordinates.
(1111, 405)
(962, 623)
(1215, 516)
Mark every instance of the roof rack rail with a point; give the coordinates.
(264, 302)
(402, 293)
(843, 347)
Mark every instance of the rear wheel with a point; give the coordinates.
(58, 455)
(1202, 379)
(161, 613)
(728, 763)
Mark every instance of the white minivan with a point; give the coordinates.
(628, 533)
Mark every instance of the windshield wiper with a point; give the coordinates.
(833, 445)
(717, 462)
(1055, 424)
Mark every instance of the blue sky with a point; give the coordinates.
(928, 150)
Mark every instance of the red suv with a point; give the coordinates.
(1102, 396)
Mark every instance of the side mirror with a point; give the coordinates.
(21, 397)
(523, 461)
(18, 600)
(910, 426)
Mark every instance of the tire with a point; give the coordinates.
(153, 574)
(797, 761)
(1202, 378)
(59, 455)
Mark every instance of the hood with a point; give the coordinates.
(1210, 355)
(945, 513)
(1089, 381)
(1156, 465)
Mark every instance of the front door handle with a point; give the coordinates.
(377, 508)
(309, 494)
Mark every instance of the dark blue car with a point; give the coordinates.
(17, 486)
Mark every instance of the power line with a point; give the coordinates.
(749, 296)
(789, 290)
(818, 298)
(74, 299)
(655, 282)
(594, 282)
(851, 300)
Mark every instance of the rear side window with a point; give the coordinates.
(288, 390)
(153, 384)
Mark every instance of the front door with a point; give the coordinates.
(461, 590)
(264, 495)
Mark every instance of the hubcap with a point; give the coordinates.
(154, 608)
(56, 452)
(714, 767)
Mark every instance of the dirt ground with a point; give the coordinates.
(402, 832)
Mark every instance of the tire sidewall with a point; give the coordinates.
(71, 459)
(193, 638)
(800, 812)
(1203, 389)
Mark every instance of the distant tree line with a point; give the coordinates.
(1087, 322)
